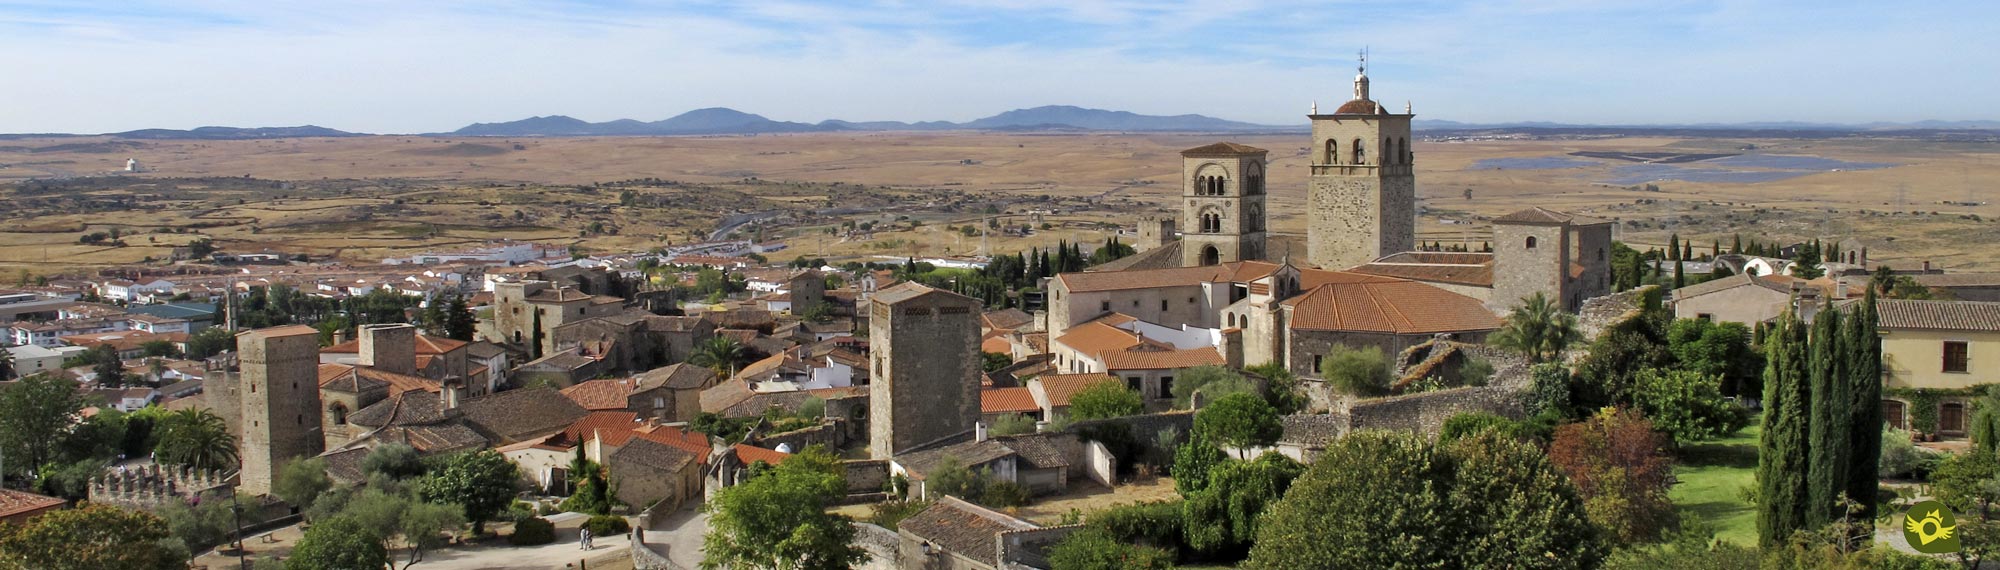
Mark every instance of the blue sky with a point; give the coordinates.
(418, 66)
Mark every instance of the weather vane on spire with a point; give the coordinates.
(1364, 60)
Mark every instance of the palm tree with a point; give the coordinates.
(1537, 329)
(196, 438)
(721, 354)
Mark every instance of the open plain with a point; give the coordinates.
(361, 199)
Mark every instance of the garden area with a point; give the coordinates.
(1711, 479)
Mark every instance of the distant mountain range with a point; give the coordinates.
(1053, 118)
(719, 120)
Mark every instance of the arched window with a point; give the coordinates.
(1389, 151)
(1332, 151)
(1210, 256)
(1253, 181)
(1232, 320)
(1360, 154)
(1531, 242)
(1404, 145)
(339, 413)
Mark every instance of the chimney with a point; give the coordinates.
(978, 432)
(389, 348)
(448, 394)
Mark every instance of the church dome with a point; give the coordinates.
(1360, 107)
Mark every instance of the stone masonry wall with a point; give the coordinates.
(1425, 413)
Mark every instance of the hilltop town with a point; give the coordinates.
(1144, 394)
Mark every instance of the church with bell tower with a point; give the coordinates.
(1222, 204)
(1361, 198)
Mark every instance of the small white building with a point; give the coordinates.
(34, 359)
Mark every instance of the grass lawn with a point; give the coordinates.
(1711, 476)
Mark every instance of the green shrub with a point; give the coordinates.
(1002, 494)
(1900, 456)
(1151, 524)
(607, 525)
(534, 531)
(1360, 372)
(888, 514)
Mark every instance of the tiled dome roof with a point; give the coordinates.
(1360, 107)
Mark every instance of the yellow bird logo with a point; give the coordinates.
(1929, 529)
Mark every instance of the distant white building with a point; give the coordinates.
(499, 252)
(131, 165)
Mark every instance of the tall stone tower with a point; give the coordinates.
(1362, 200)
(1222, 204)
(279, 392)
(1563, 256)
(924, 351)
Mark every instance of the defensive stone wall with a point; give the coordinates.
(1425, 413)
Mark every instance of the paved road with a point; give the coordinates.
(679, 537)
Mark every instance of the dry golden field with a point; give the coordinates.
(365, 198)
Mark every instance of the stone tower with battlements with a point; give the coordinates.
(925, 368)
(1361, 200)
(1561, 255)
(1222, 204)
(278, 385)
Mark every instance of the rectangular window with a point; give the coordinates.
(1163, 305)
(1705, 316)
(1166, 386)
(1104, 306)
(1957, 357)
(1316, 359)
(1135, 383)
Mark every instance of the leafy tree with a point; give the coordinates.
(1481, 502)
(1827, 459)
(36, 417)
(159, 348)
(1864, 370)
(1537, 329)
(777, 520)
(1212, 381)
(1224, 516)
(1094, 549)
(1782, 449)
(1608, 374)
(423, 527)
(1281, 387)
(1720, 349)
(459, 322)
(300, 482)
(394, 460)
(341, 543)
(93, 537)
(482, 482)
(721, 354)
(1688, 405)
(1107, 399)
(952, 477)
(1356, 371)
(1621, 470)
(1241, 421)
(197, 438)
(1193, 461)
(109, 370)
(991, 361)
(1548, 389)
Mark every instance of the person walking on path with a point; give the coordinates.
(586, 539)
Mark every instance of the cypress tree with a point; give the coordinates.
(1679, 279)
(1831, 422)
(1781, 453)
(1737, 245)
(1673, 247)
(1864, 373)
(1687, 250)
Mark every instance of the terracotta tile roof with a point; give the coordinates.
(650, 455)
(407, 408)
(1223, 149)
(1137, 279)
(749, 454)
(356, 379)
(970, 454)
(1399, 307)
(1540, 215)
(587, 427)
(1095, 338)
(996, 344)
(1473, 275)
(606, 394)
(1938, 315)
(1060, 387)
(433, 439)
(681, 376)
(1007, 319)
(1958, 279)
(840, 393)
(426, 345)
(1361, 107)
(911, 290)
(515, 415)
(1038, 449)
(1162, 359)
(1731, 282)
(1007, 401)
(963, 528)
(14, 503)
(724, 395)
(694, 443)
